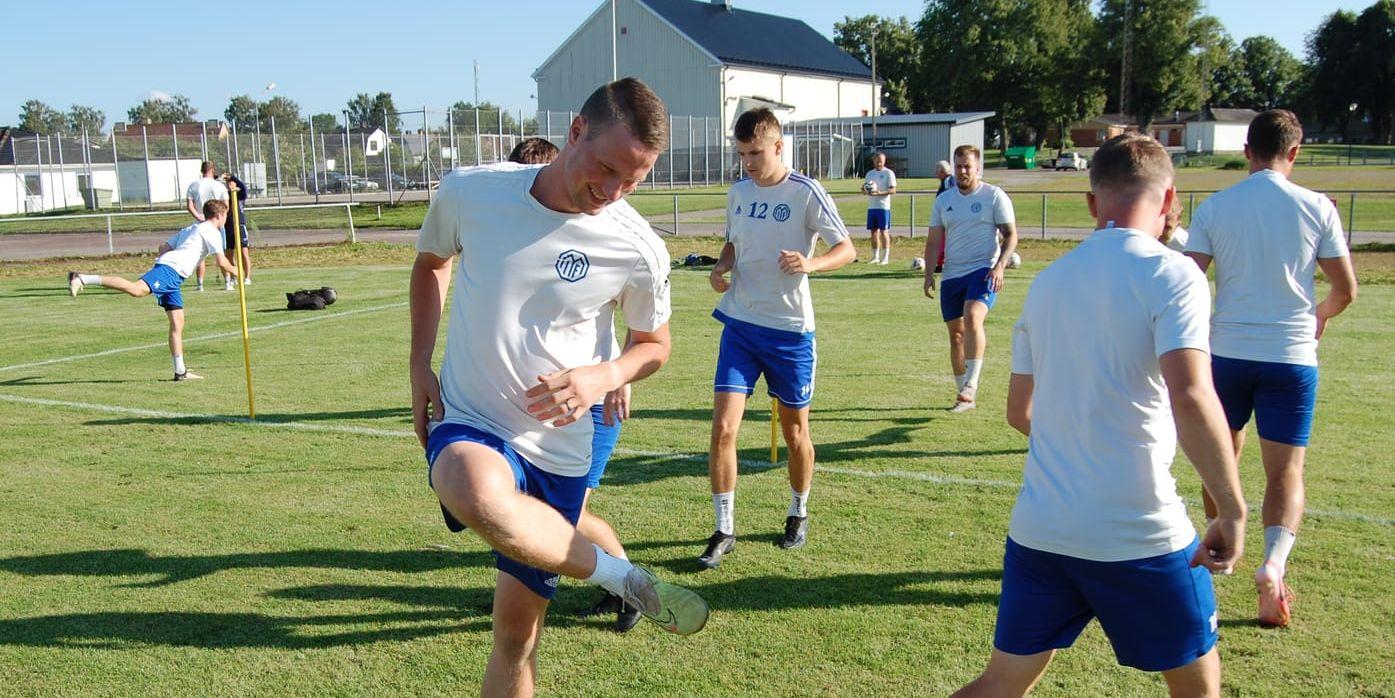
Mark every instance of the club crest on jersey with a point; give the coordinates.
(572, 265)
(976, 207)
(738, 210)
(782, 213)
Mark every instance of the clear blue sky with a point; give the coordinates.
(321, 54)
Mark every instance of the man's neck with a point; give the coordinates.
(549, 191)
(1279, 165)
(776, 178)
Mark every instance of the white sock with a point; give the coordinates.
(972, 366)
(90, 279)
(179, 364)
(959, 379)
(722, 505)
(610, 572)
(1278, 543)
(799, 503)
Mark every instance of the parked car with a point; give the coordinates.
(399, 182)
(343, 182)
(1071, 161)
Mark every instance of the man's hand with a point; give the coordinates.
(792, 262)
(929, 282)
(1222, 545)
(718, 279)
(1321, 325)
(617, 406)
(995, 278)
(566, 396)
(426, 401)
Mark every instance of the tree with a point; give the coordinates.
(242, 111)
(1163, 73)
(175, 109)
(1020, 59)
(1330, 86)
(1375, 53)
(41, 118)
(1271, 71)
(489, 116)
(367, 112)
(89, 120)
(286, 113)
(325, 123)
(898, 54)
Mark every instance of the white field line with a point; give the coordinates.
(931, 478)
(203, 338)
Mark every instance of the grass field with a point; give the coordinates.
(159, 544)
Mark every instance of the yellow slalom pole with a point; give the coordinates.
(774, 430)
(242, 300)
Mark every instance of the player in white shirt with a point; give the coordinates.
(970, 219)
(179, 255)
(1109, 375)
(1267, 236)
(879, 186)
(544, 253)
(775, 218)
(201, 191)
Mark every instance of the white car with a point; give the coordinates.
(1071, 161)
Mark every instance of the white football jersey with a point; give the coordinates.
(884, 180)
(190, 245)
(533, 295)
(761, 223)
(205, 189)
(971, 226)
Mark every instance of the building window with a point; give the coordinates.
(33, 186)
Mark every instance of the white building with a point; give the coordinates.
(1218, 130)
(708, 60)
(46, 173)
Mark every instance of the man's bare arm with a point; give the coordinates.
(1019, 402)
(426, 296)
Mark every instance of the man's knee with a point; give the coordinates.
(472, 490)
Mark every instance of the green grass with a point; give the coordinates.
(159, 554)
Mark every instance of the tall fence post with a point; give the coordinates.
(910, 224)
(145, 143)
(675, 214)
(111, 246)
(349, 209)
(1351, 217)
(1043, 216)
(276, 155)
(115, 165)
(178, 183)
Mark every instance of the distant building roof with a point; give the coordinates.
(954, 118)
(743, 37)
(1225, 116)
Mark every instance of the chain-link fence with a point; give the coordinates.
(148, 166)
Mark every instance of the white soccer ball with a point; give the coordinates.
(918, 263)
(869, 186)
(1014, 261)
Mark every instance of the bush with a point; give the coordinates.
(1234, 164)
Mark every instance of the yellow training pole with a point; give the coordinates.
(242, 301)
(774, 430)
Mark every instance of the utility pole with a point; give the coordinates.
(1126, 62)
(876, 102)
(614, 48)
(477, 82)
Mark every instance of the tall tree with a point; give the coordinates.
(285, 111)
(367, 112)
(242, 110)
(86, 119)
(1162, 34)
(39, 117)
(1020, 59)
(489, 116)
(1375, 36)
(176, 109)
(898, 54)
(1271, 72)
(325, 123)
(1333, 74)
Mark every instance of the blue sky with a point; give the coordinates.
(321, 54)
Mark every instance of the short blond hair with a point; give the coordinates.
(214, 208)
(1130, 163)
(967, 149)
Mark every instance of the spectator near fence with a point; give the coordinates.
(203, 190)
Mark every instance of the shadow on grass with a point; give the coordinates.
(270, 417)
(171, 569)
(36, 380)
(779, 592)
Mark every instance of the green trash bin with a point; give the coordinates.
(1022, 157)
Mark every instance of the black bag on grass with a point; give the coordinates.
(304, 300)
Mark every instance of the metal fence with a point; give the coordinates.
(144, 166)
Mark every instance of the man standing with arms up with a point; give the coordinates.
(775, 218)
(880, 185)
(969, 219)
(1267, 236)
(507, 429)
(1109, 375)
(201, 191)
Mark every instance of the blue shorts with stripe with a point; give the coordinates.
(1281, 397)
(565, 494)
(164, 283)
(1159, 613)
(973, 286)
(603, 440)
(748, 351)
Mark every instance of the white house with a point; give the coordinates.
(1218, 130)
(708, 60)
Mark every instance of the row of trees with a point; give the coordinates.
(1049, 63)
(363, 111)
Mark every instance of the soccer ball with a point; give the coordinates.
(1014, 261)
(918, 263)
(869, 186)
